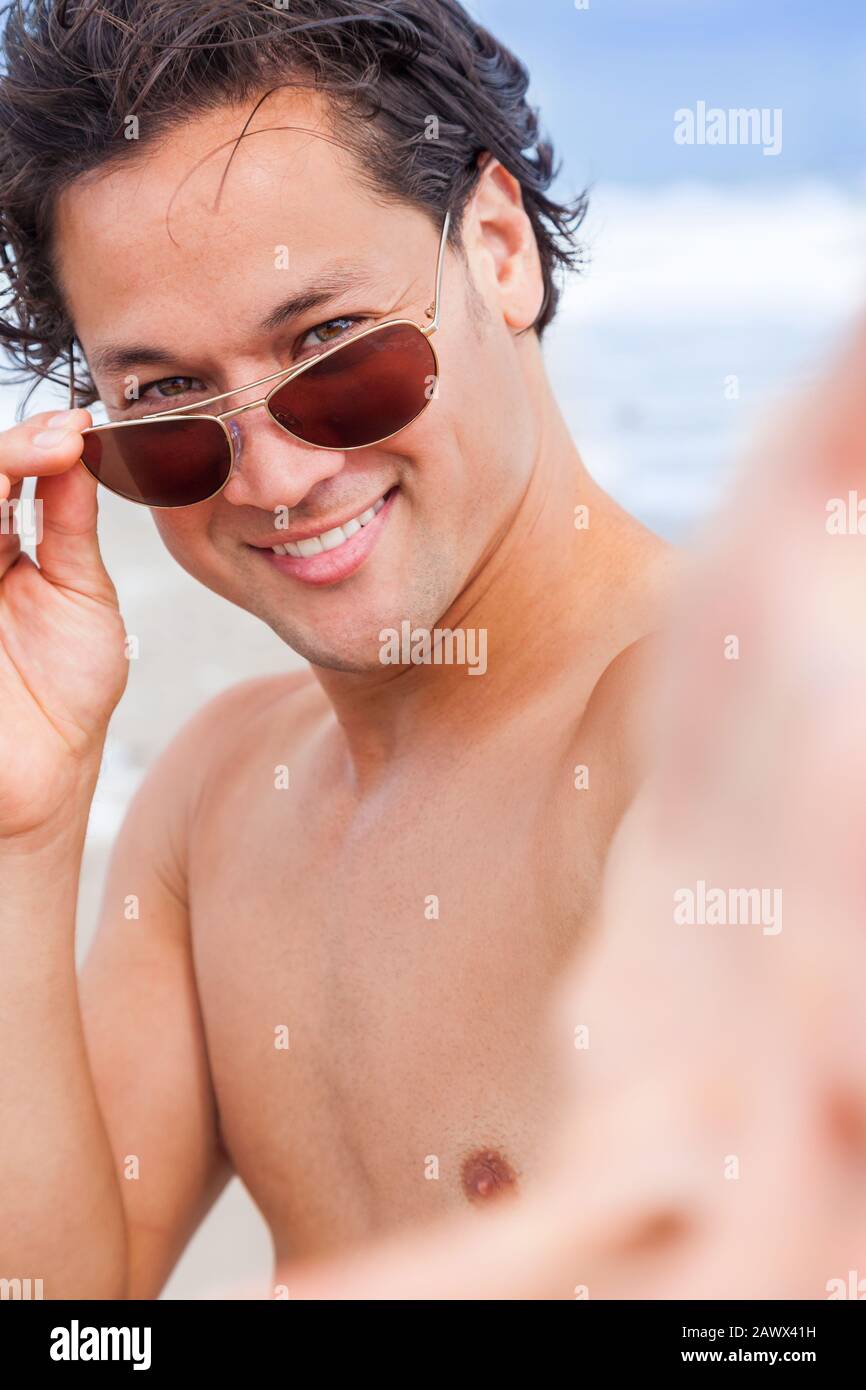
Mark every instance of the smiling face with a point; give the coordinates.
(188, 294)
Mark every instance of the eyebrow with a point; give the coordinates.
(328, 287)
(112, 359)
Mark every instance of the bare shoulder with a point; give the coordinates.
(608, 746)
(617, 705)
(236, 717)
(265, 718)
(218, 731)
(610, 737)
(616, 712)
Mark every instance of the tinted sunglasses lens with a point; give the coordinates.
(363, 392)
(166, 463)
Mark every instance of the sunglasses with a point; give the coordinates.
(360, 392)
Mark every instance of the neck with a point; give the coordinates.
(545, 589)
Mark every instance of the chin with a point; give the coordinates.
(355, 659)
(353, 648)
(341, 631)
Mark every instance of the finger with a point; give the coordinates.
(10, 536)
(68, 553)
(45, 444)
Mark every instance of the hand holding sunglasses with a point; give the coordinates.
(358, 393)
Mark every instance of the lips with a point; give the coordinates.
(332, 539)
(337, 553)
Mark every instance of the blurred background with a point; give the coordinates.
(718, 278)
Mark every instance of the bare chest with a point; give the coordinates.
(375, 1005)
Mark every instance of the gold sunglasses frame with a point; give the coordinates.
(281, 379)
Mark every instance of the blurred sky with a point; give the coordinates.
(610, 77)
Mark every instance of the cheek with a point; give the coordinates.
(488, 385)
(186, 536)
(492, 422)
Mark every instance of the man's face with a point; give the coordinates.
(193, 291)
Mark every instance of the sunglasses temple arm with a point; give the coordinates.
(72, 374)
(440, 267)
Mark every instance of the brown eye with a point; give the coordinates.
(327, 332)
(175, 385)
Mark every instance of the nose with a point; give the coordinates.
(273, 469)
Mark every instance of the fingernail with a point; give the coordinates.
(62, 419)
(49, 439)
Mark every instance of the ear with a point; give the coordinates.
(501, 248)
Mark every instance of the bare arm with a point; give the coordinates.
(144, 1032)
(62, 670)
(61, 1210)
(78, 1093)
(111, 1154)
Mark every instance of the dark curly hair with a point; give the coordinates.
(73, 71)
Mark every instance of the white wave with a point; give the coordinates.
(683, 250)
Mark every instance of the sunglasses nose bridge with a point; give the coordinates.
(229, 416)
(240, 409)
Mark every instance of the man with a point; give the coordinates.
(352, 890)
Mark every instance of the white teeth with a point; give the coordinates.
(329, 540)
(311, 546)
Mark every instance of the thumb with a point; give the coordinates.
(68, 553)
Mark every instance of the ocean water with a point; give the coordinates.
(701, 312)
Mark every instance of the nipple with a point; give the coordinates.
(486, 1174)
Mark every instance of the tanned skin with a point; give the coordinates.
(303, 907)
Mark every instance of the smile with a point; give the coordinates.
(335, 554)
(330, 540)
